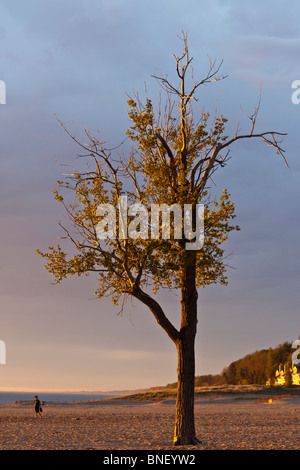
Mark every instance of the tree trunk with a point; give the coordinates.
(185, 422)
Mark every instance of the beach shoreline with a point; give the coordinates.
(234, 422)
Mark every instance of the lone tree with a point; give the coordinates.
(170, 163)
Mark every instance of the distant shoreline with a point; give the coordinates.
(151, 395)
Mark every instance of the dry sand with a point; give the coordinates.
(235, 423)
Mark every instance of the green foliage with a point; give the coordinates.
(166, 165)
(257, 367)
(172, 159)
(271, 367)
(288, 375)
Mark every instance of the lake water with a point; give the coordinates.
(12, 397)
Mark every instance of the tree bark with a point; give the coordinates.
(184, 433)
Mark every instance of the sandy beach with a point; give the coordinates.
(222, 423)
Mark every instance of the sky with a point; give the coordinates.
(78, 61)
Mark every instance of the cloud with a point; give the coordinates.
(272, 17)
(271, 60)
(127, 354)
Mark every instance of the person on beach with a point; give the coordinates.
(37, 406)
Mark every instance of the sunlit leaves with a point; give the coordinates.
(168, 157)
